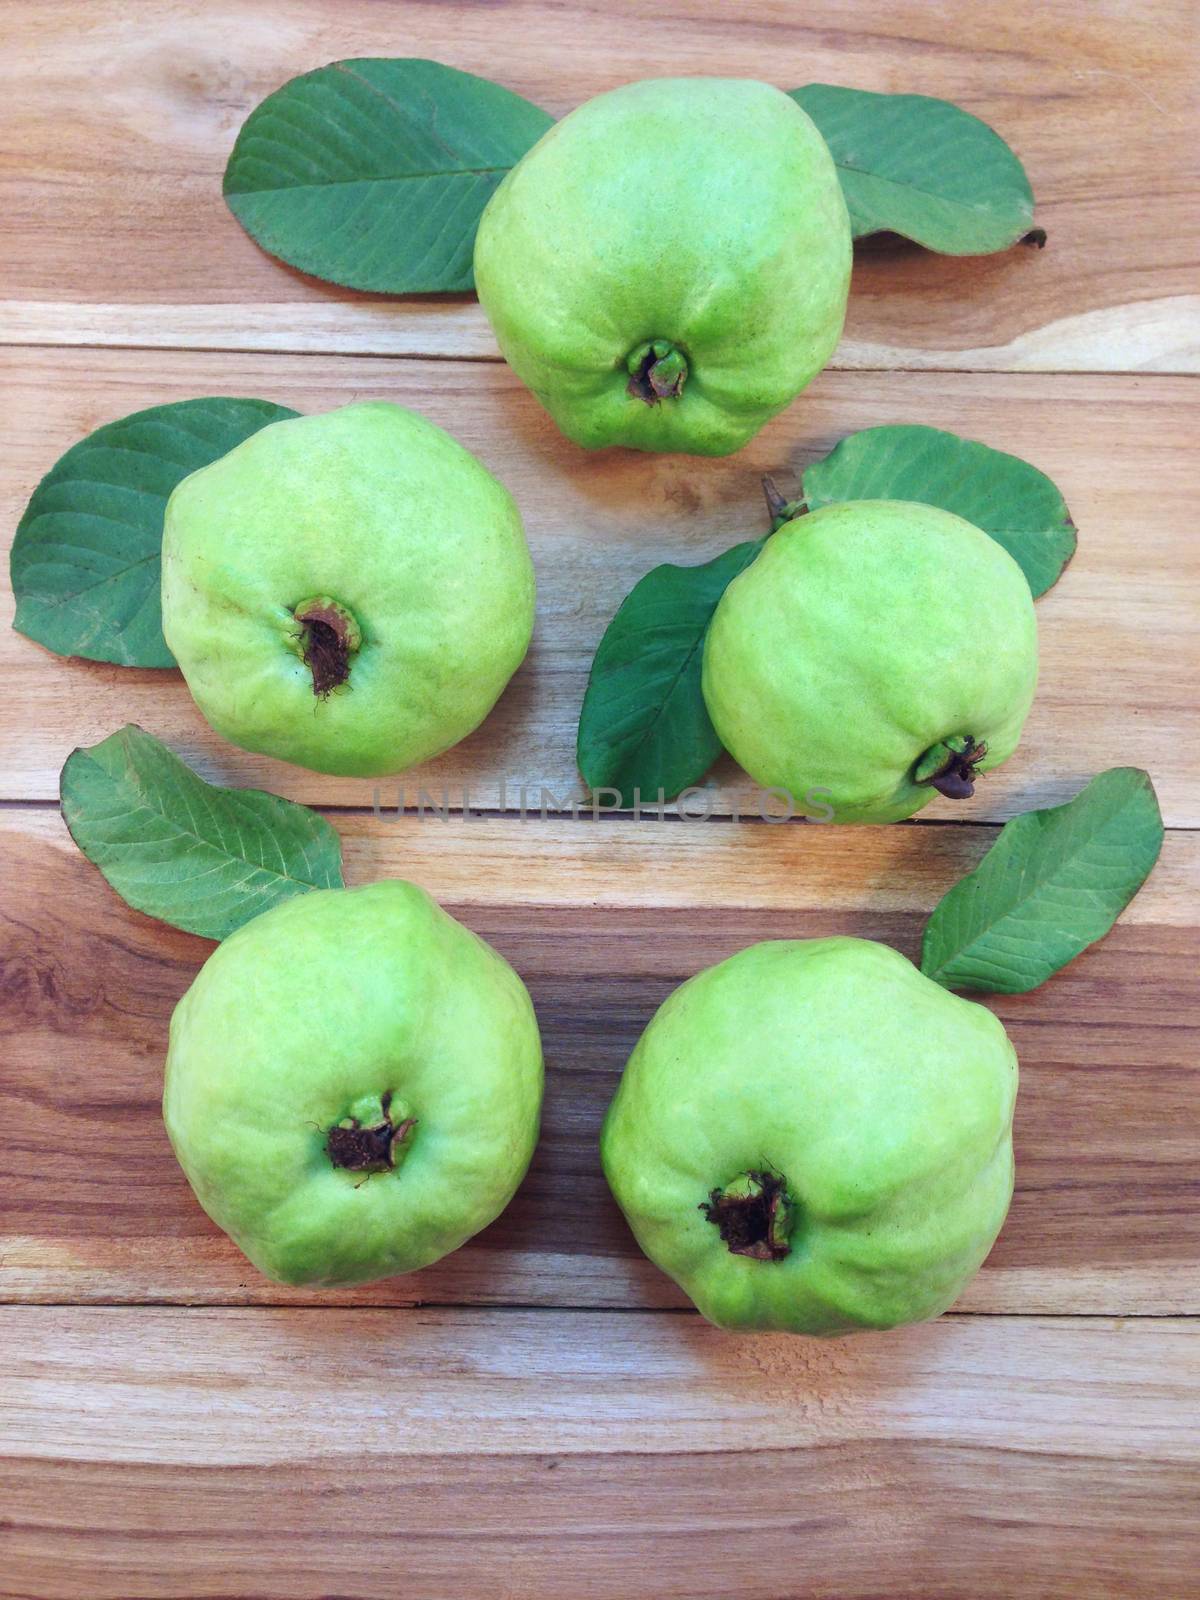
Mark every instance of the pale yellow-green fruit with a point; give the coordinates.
(863, 638)
(668, 267)
(349, 591)
(839, 1118)
(342, 1006)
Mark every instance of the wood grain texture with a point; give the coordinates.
(428, 1437)
(602, 922)
(1149, 336)
(1119, 644)
(591, 1457)
(121, 122)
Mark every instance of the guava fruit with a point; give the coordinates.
(353, 1085)
(349, 591)
(668, 267)
(813, 1137)
(877, 651)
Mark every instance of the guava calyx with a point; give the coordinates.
(328, 638)
(357, 1146)
(657, 371)
(754, 1215)
(949, 766)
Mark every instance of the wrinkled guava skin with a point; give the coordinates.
(863, 635)
(380, 510)
(331, 997)
(706, 212)
(884, 1101)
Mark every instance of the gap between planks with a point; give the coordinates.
(299, 1303)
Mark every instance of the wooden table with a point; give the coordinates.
(540, 1415)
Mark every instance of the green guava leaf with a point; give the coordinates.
(644, 725)
(1053, 883)
(924, 169)
(1003, 495)
(86, 559)
(373, 173)
(203, 858)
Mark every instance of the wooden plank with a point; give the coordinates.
(115, 228)
(602, 921)
(1145, 336)
(1119, 642)
(592, 1456)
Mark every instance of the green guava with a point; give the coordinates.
(353, 1085)
(349, 591)
(668, 267)
(876, 651)
(813, 1137)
